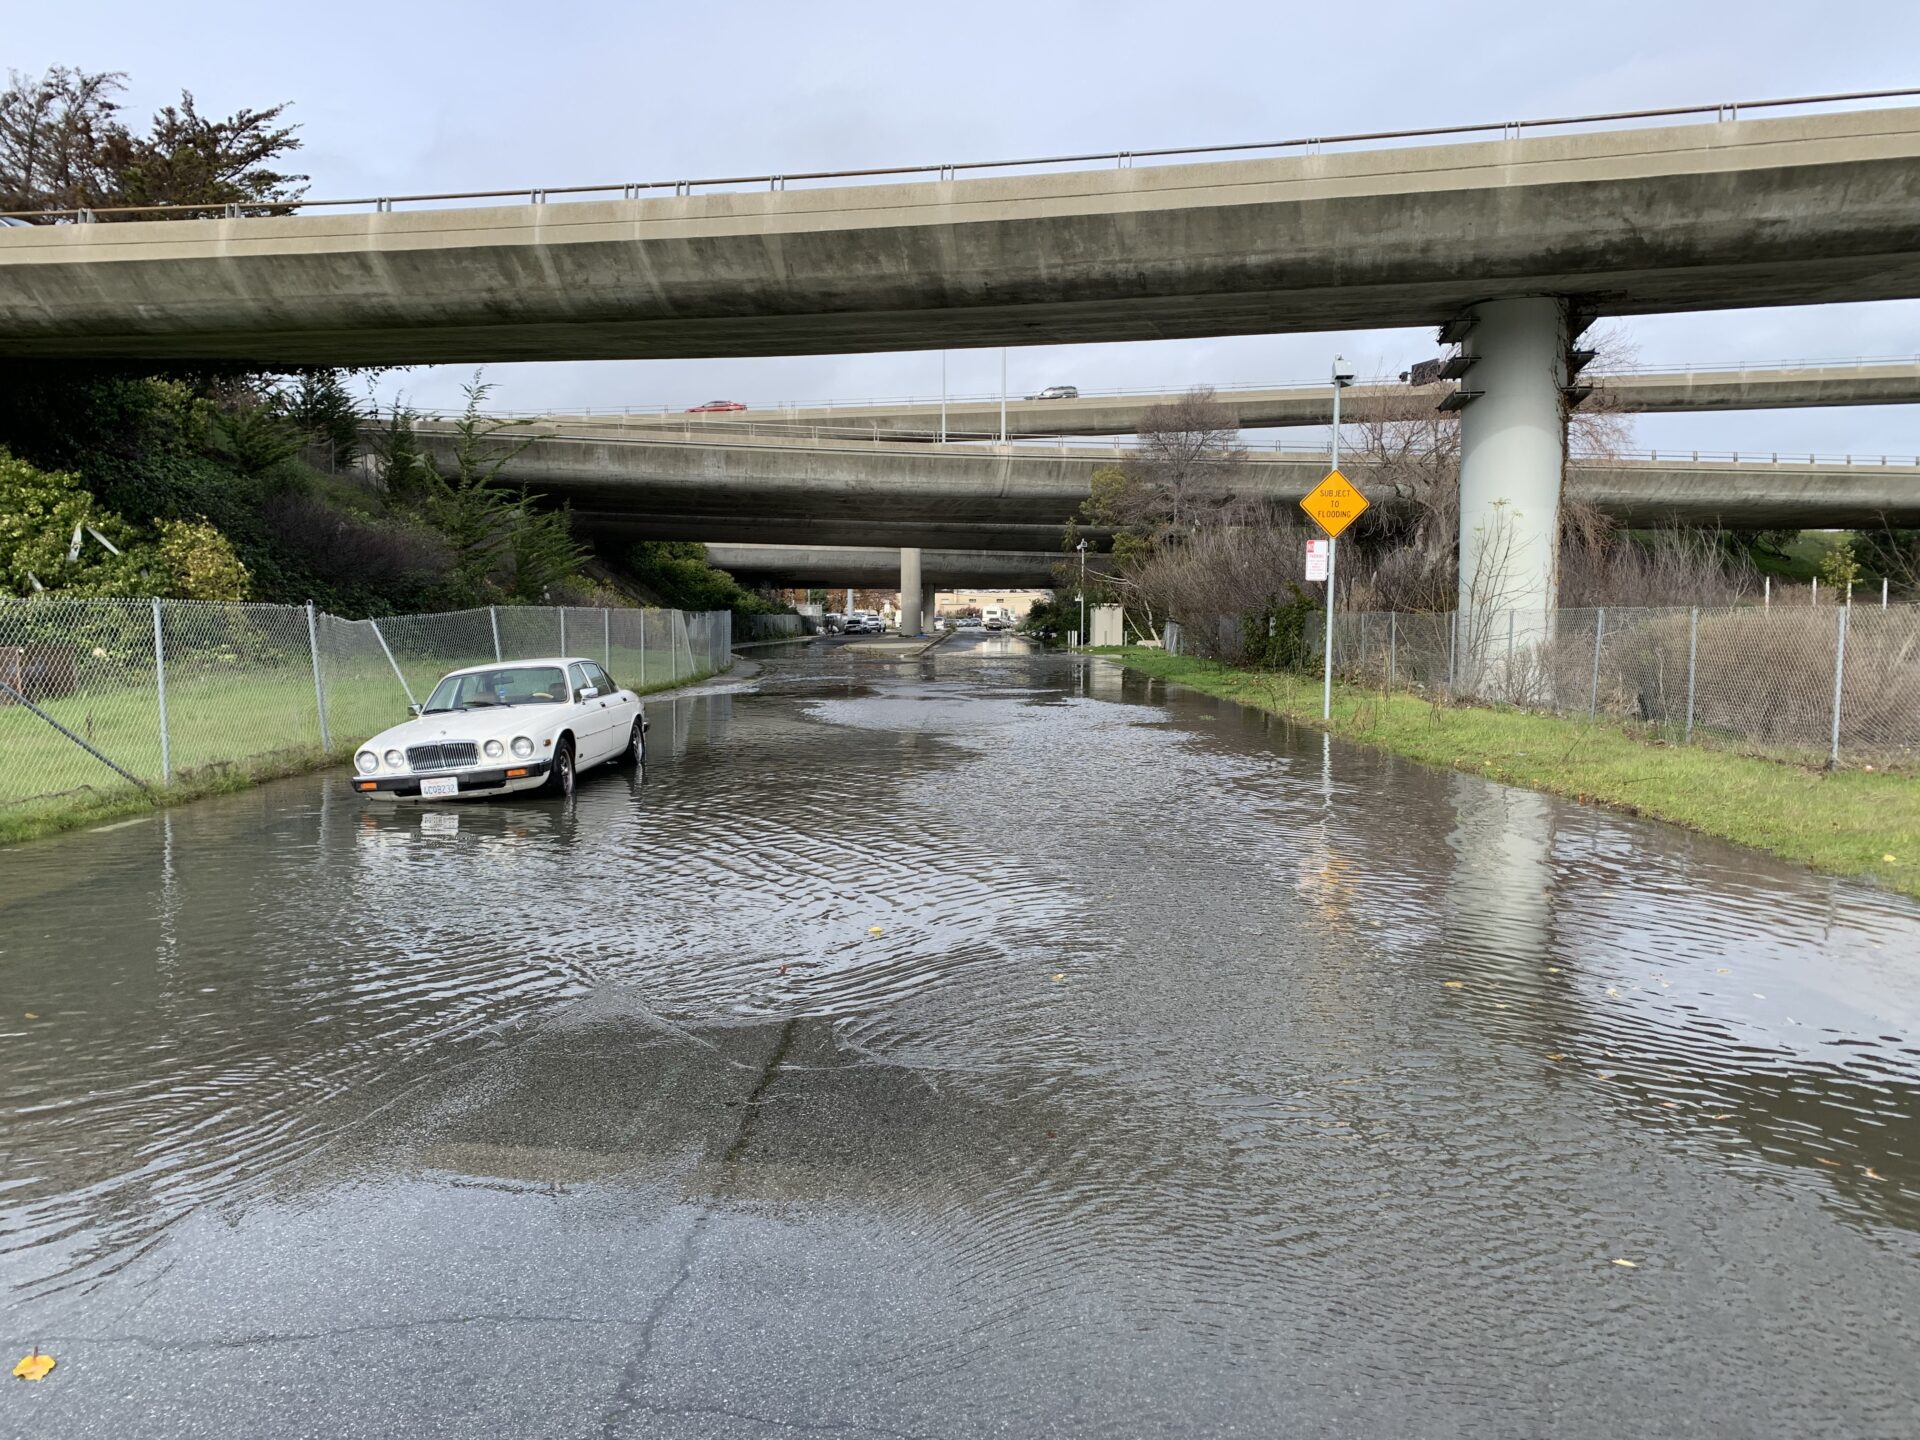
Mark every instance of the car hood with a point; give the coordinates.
(478, 725)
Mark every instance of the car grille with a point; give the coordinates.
(448, 755)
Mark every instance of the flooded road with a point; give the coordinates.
(982, 1044)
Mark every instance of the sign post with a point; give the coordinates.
(1333, 505)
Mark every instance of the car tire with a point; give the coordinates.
(636, 752)
(560, 779)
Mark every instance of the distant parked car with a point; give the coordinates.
(717, 407)
(494, 729)
(1058, 392)
(860, 623)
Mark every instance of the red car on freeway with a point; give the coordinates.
(716, 407)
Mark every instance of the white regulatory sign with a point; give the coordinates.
(1317, 559)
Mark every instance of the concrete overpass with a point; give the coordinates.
(1895, 382)
(1510, 246)
(1786, 211)
(977, 497)
(877, 568)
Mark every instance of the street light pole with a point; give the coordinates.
(1342, 377)
(1082, 548)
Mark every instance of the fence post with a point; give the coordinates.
(563, 628)
(673, 643)
(1453, 637)
(1393, 644)
(1839, 680)
(606, 637)
(319, 684)
(1693, 653)
(643, 646)
(1513, 691)
(1599, 633)
(160, 690)
(391, 661)
(493, 617)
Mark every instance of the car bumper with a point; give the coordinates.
(496, 780)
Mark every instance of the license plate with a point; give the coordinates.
(439, 785)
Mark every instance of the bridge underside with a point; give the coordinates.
(1805, 210)
(994, 498)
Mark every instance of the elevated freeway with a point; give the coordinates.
(990, 497)
(1801, 209)
(870, 567)
(1880, 382)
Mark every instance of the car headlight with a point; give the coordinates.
(367, 761)
(495, 749)
(522, 746)
(394, 759)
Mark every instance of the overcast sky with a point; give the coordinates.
(399, 97)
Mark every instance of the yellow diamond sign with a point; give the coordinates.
(1334, 504)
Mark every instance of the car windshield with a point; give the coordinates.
(510, 685)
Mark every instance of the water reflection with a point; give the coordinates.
(1090, 1005)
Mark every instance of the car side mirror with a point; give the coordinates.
(587, 693)
(415, 709)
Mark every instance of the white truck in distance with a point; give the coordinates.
(996, 617)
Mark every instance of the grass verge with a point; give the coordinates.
(1847, 822)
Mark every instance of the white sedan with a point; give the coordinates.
(494, 729)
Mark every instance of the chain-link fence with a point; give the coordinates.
(1803, 682)
(105, 696)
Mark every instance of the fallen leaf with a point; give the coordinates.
(1604, 1074)
(1870, 1172)
(32, 1016)
(1556, 1056)
(33, 1367)
(1723, 970)
(1891, 859)
(1628, 1264)
(1723, 1115)
(1553, 969)
(1830, 1164)
(875, 930)
(1061, 976)
(1454, 984)
(1669, 1104)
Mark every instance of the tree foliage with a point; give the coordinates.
(57, 538)
(65, 146)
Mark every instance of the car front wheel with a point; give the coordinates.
(560, 777)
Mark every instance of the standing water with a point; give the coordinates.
(986, 1044)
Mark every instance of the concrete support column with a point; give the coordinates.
(910, 590)
(927, 610)
(1512, 456)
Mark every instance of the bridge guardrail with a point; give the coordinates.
(1721, 112)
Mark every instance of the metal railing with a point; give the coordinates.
(1725, 111)
(1803, 681)
(99, 696)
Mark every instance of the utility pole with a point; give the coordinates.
(1003, 394)
(1342, 377)
(1082, 548)
(943, 397)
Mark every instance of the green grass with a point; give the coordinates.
(1847, 822)
(227, 730)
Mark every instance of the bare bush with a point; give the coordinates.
(337, 544)
(1222, 572)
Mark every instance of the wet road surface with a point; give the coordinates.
(984, 1044)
